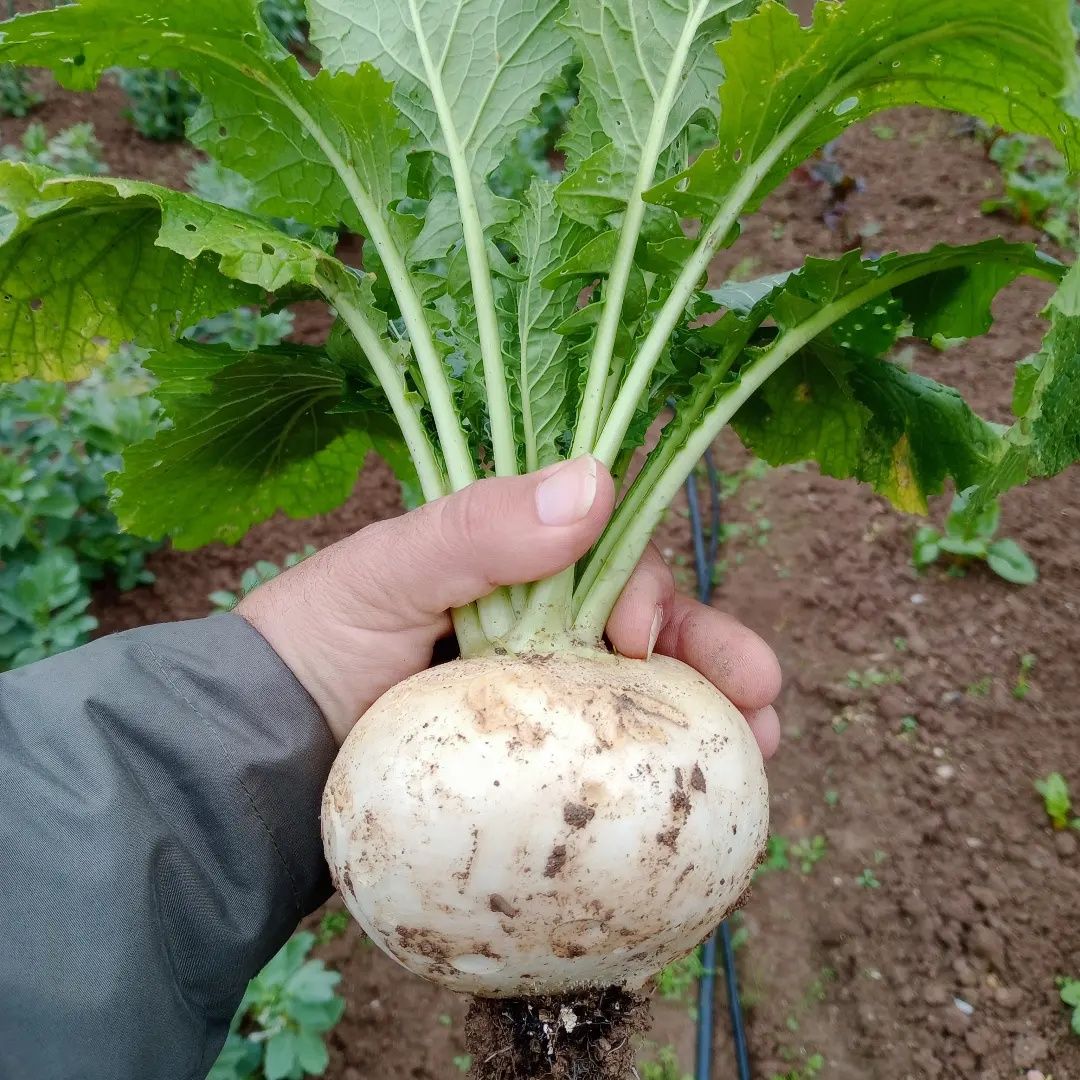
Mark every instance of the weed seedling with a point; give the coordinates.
(1070, 995)
(808, 853)
(664, 1067)
(677, 980)
(968, 539)
(776, 855)
(814, 1064)
(332, 925)
(1023, 680)
(871, 677)
(1057, 801)
(254, 576)
(868, 879)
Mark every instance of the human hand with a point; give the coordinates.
(366, 613)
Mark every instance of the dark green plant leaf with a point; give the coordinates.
(249, 437)
(1045, 439)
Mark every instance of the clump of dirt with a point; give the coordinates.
(592, 1035)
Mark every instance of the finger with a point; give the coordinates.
(496, 532)
(765, 725)
(638, 616)
(731, 656)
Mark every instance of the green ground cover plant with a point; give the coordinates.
(58, 535)
(279, 1031)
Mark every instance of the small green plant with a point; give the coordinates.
(868, 879)
(872, 677)
(57, 534)
(332, 925)
(74, 151)
(212, 181)
(814, 1064)
(286, 20)
(533, 154)
(1070, 995)
(1022, 687)
(967, 539)
(1038, 188)
(665, 1066)
(278, 1033)
(908, 725)
(16, 97)
(462, 1062)
(159, 102)
(832, 797)
(981, 687)
(677, 980)
(777, 857)
(809, 852)
(244, 329)
(254, 576)
(1057, 801)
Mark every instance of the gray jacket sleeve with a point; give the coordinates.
(159, 841)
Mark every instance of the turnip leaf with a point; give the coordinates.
(249, 435)
(539, 355)
(491, 60)
(1045, 438)
(261, 115)
(788, 90)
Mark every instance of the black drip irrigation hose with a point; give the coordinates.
(706, 548)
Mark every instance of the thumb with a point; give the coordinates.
(504, 531)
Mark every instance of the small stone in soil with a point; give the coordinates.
(1029, 1050)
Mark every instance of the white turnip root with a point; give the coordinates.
(523, 826)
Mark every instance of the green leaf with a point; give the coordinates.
(490, 59)
(313, 982)
(249, 437)
(317, 1015)
(860, 417)
(238, 1060)
(1009, 561)
(1045, 439)
(836, 403)
(544, 239)
(788, 91)
(75, 282)
(628, 49)
(261, 115)
(630, 53)
(282, 1056)
(311, 1052)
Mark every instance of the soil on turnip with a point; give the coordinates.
(594, 1035)
(925, 941)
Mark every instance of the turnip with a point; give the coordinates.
(519, 826)
(540, 821)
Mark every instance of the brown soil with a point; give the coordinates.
(946, 968)
(590, 1036)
